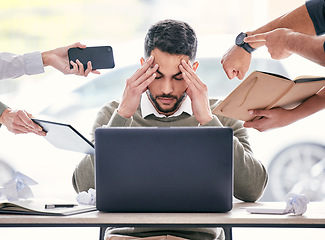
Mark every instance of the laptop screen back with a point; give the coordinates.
(164, 169)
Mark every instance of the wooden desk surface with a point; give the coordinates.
(238, 216)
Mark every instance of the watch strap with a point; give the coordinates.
(247, 47)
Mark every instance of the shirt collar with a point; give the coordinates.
(147, 107)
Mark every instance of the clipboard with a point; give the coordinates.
(64, 136)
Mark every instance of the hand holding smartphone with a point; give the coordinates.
(101, 57)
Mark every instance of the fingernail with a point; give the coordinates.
(250, 112)
(151, 57)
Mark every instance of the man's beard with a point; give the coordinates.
(172, 109)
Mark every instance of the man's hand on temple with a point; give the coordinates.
(135, 86)
(198, 92)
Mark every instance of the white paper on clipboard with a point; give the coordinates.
(64, 136)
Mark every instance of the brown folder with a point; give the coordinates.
(261, 90)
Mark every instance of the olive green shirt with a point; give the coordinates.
(250, 176)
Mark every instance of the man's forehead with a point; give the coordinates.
(158, 54)
(166, 60)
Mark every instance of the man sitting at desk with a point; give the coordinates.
(166, 92)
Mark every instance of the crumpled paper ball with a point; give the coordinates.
(87, 198)
(296, 203)
(18, 187)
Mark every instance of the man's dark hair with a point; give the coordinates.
(173, 37)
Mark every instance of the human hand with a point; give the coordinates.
(236, 62)
(273, 118)
(275, 41)
(58, 58)
(18, 121)
(198, 92)
(135, 86)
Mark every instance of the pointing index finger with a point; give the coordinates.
(255, 38)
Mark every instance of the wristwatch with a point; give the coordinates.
(240, 42)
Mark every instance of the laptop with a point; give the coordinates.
(178, 169)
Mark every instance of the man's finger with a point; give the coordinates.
(95, 71)
(78, 45)
(89, 68)
(185, 68)
(189, 83)
(18, 129)
(144, 68)
(254, 124)
(248, 124)
(222, 60)
(81, 67)
(260, 113)
(190, 80)
(74, 69)
(255, 38)
(146, 75)
(231, 73)
(143, 86)
(27, 121)
(240, 75)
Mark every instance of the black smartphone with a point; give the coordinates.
(100, 57)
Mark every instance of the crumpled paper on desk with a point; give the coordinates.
(296, 203)
(87, 198)
(17, 187)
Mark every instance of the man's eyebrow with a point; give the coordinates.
(175, 75)
(159, 72)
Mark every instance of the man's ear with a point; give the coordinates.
(142, 61)
(195, 66)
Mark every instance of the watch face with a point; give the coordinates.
(240, 39)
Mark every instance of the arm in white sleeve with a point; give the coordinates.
(13, 65)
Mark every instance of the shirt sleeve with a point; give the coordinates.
(2, 108)
(316, 11)
(84, 174)
(13, 65)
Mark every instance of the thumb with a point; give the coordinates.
(241, 75)
(78, 45)
(261, 113)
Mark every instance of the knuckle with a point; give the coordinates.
(128, 81)
(132, 89)
(19, 112)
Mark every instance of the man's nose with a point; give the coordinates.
(167, 87)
